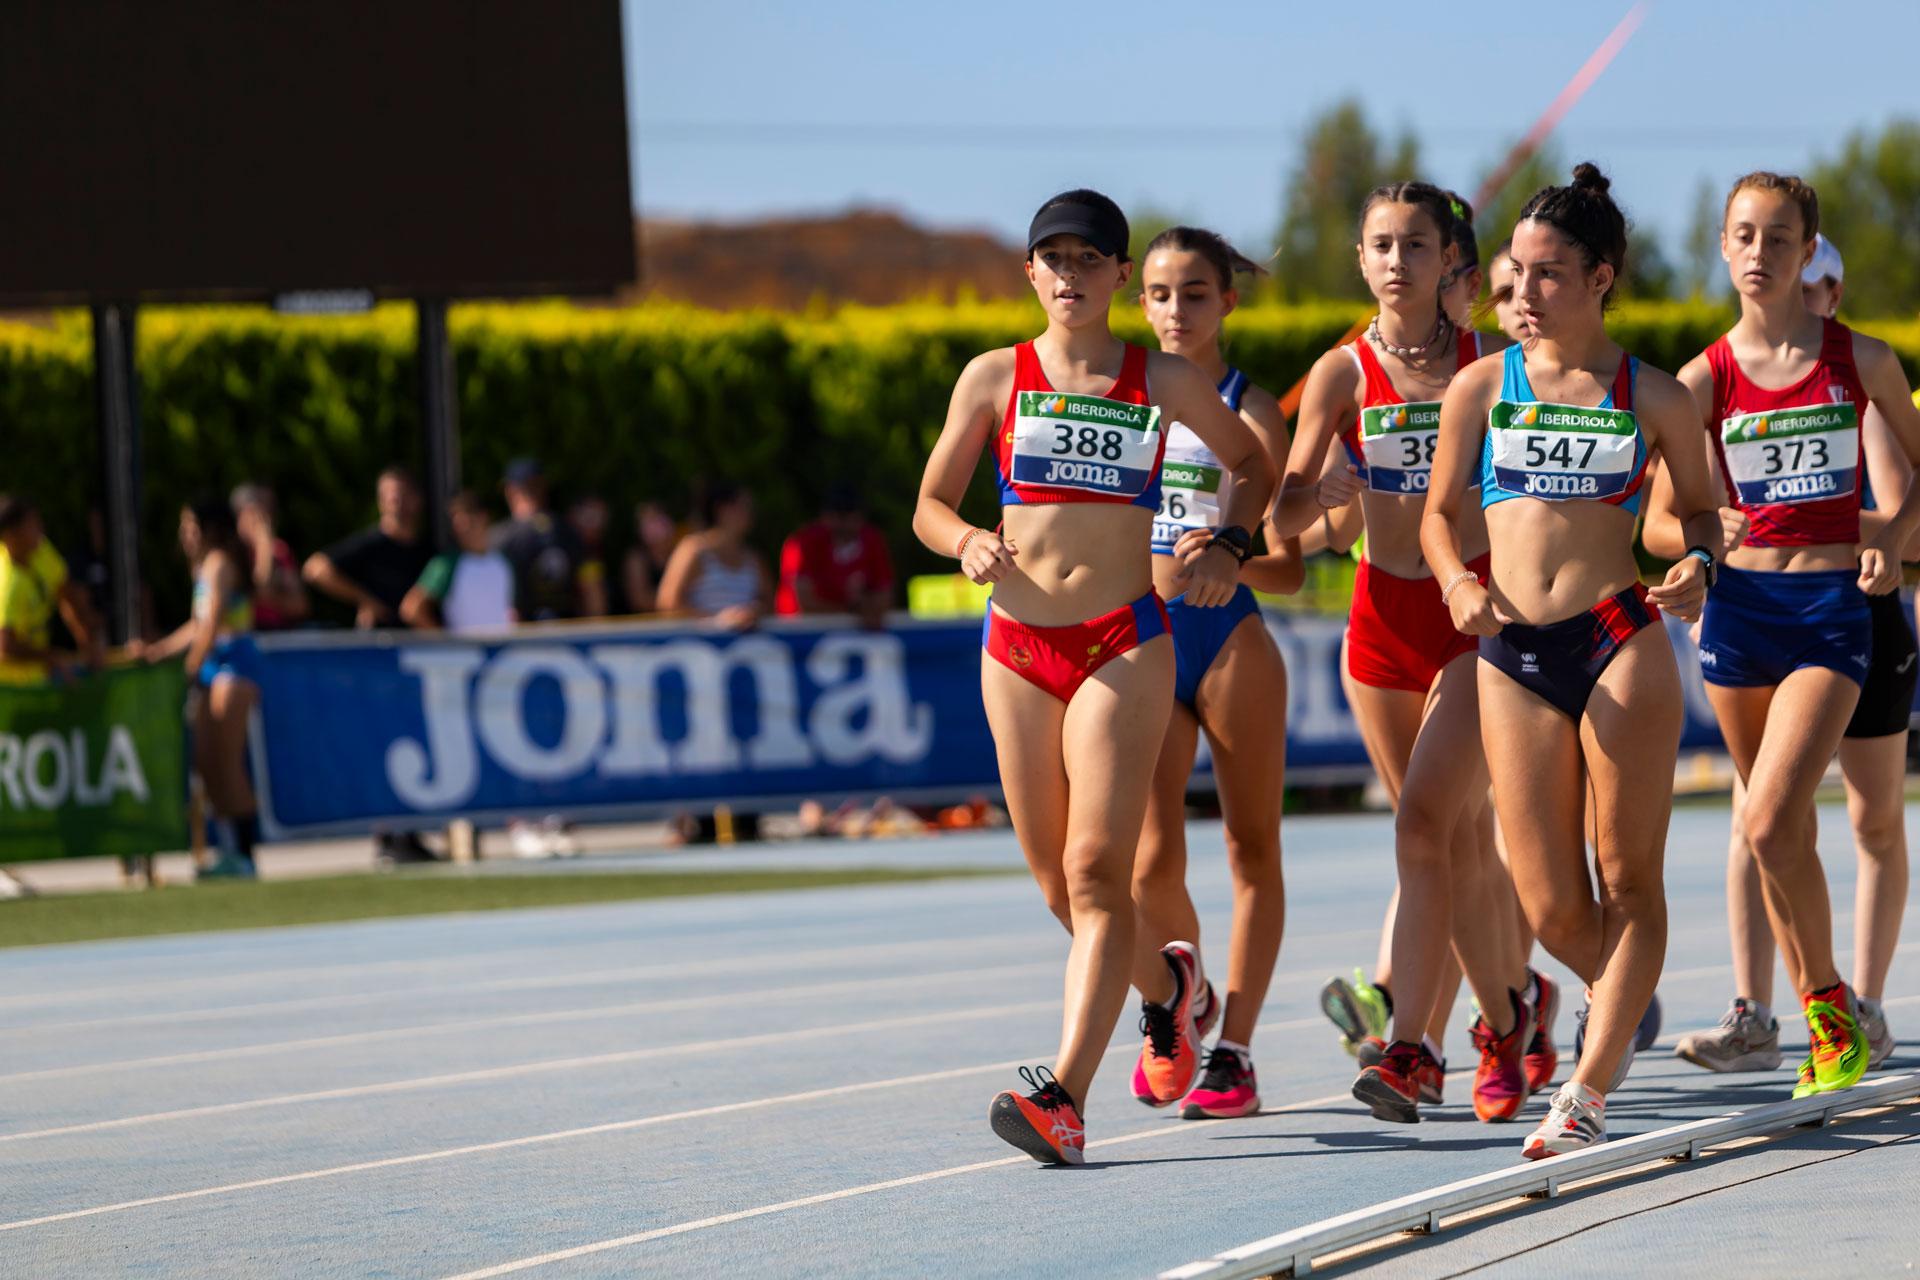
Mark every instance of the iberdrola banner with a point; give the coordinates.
(93, 766)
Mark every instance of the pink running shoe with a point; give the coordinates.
(1227, 1091)
(1170, 1052)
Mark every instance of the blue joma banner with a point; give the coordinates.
(636, 719)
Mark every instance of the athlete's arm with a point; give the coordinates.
(1669, 414)
(216, 576)
(1281, 570)
(937, 522)
(679, 575)
(1663, 533)
(1456, 455)
(1887, 390)
(1187, 395)
(84, 622)
(1886, 471)
(1332, 396)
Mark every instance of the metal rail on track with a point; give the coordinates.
(1292, 1252)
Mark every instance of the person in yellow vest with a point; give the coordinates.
(33, 586)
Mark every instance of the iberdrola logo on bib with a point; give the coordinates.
(1053, 404)
(1528, 415)
(1396, 417)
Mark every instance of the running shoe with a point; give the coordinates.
(1742, 1042)
(1357, 1009)
(1580, 1043)
(1542, 1059)
(1804, 1084)
(1206, 1016)
(1226, 1091)
(1042, 1122)
(1432, 1077)
(1371, 1050)
(1170, 1053)
(1576, 1120)
(1873, 1021)
(1392, 1089)
(1500, 1081)
(1840, 1049)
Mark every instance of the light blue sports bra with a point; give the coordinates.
(1563, 452)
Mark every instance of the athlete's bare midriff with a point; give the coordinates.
(1552, 560)
(1077, 560)
(1393, 533)
(1832, 555)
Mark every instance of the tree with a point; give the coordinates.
(1341, 160)
(1870, 209)
(1705, 274)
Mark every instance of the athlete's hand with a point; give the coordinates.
(1879, 571)
(1684, 590)
(989, 557)
(1210, 576)
(1474, 612)
(1733, 529)
(1337, 487)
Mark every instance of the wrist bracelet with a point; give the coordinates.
(1447, 591)
(960, 552)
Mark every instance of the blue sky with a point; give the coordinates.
(968, 115)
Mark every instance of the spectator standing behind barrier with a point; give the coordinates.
(645, 565)
(33, 586)
(588, 519)
(221, 662)
(714, 574)
(551, 577)
(467, 590)
(279, 598)
(374, 569)
(837, 564)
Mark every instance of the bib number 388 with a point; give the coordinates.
(1089, 443)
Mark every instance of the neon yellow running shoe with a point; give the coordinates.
(1840, 1048)
(1357, 1009)
(1805, 1085)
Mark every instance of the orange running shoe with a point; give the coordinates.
(1170, 1054)
(1500, 1081)
(1542, 1059)
(1391, 1087)
(1044, 1122)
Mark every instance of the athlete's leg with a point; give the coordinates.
(1747, 922)
(1025, 721)
(1875, 770)
(1444, 772)
(1484, 939)
(1110, 741)
(1242, 702)
(1389, 721)
(229, 704)
(1801, 729)
(1162, 906)
(1630, 737)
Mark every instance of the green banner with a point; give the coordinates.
(94, 766)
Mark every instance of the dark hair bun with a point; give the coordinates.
(1587, 176)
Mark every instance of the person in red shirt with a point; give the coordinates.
(837, 564)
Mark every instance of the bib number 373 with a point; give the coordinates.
(1802, 454)
(1084, 442)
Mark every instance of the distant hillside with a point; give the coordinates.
(866, 255)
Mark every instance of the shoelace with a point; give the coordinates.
(1044, 1090)
(1156, 1023)
(1224, 1071)
(1403, 1062)
(1827, 1023)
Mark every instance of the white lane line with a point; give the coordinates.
(562, 1135)
(847, 1193)
(595, 977)
(772, 995)
(536, 1068)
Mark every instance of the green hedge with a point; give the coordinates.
(634, 404)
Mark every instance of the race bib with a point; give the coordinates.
(1189, 499)
(1397, 442)
(1085, 442)
(1559, 452)
(1792, 455)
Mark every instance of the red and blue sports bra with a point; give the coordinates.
(1791, 458)
(1391, 440)
(1054, 446)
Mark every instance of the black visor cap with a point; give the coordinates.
(1104, 229)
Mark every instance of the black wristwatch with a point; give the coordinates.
(1235, 539)
(1706, 557)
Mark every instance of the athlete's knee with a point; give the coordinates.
(1097, 878)
(1881, 833)
(1564, 927)
(1423, 828)
(1254, 858)
(1773, 834)
(1634, 891)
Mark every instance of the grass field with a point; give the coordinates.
(81, 917)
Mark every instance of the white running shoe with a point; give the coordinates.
(1576, 1120)
(1873, 1021)
(1742, 1041)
